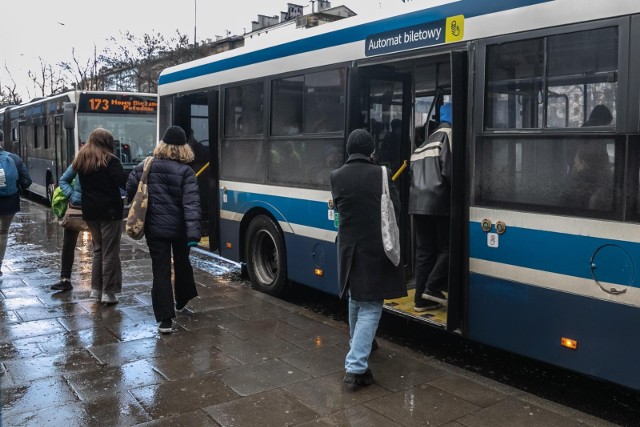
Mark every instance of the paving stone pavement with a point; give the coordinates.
(236, 358)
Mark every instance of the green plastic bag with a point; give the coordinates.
(59, 202)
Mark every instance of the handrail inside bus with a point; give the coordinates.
(202, 169)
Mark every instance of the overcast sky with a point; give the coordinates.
(49, 29)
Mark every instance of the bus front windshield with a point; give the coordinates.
(134, 134)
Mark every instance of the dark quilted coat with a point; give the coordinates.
(174, 200)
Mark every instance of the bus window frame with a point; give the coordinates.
(622, 125)
(622, 97)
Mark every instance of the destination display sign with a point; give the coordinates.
(116, 104)
(428, 34)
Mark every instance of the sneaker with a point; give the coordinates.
(166, 326)
(353, 382)
(109, 299)
(426, 306)
(437, 296)
(95, 294)
(180, 307)
(62, 285)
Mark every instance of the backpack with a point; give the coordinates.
(8, 175)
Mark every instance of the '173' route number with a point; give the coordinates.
(98, 104)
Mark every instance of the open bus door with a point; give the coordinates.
(196, 114)
(385, 96)
(383, 108)
(458, 248)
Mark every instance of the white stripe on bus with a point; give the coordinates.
(604, 229)
(554, 281)
(289, 227)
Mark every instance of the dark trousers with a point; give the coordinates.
(432, 253)
(185, 285)
(69, 241)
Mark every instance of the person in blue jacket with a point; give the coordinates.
(70, 186)
(10, 204)
(172, 223)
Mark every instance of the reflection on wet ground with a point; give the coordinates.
(237, 357)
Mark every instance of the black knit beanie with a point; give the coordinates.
(360, 141)
(175, 136)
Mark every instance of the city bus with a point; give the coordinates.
(47, 132)
(545, 219)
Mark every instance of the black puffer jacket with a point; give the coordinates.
(174, 200)
(101, 199)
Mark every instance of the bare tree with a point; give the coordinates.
(8, 92)
(134, 63)
(47, 80)
(129, 62)
(83, 74)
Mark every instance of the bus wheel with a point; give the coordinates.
(265, 256)
(51, 187)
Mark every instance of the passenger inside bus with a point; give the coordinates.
(429, 204)
(332, 160)
(600, 116)
(591, 178)
(390, 152)
(419, 135)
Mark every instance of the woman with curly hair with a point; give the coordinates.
(102, 176)
(172, 222)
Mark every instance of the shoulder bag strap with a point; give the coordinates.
(145, 169)
(385, 183)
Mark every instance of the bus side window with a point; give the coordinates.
(286, 106)
(243, 110)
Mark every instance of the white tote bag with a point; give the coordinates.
(390, 232)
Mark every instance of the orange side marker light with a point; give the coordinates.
(569, 343)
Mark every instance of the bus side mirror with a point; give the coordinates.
(69, 118)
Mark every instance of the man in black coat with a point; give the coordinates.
(429, 203)
(365, 272)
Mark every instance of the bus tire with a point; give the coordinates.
(265, 256)
(51, 187)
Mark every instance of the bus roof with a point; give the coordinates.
(286, 47)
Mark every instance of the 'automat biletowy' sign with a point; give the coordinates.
(427, 34)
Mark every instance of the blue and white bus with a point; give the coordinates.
(47, 132)
(545, 212)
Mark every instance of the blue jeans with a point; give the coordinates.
(5, 223)
(364, 317)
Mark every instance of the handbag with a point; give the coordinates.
(59, 203)
(389, 226)
(72, 219)
(138, 209)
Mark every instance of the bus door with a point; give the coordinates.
(458, 249)
(196, 113)
(60, 146)
(384, 109)
(409, 94)
(23, 144)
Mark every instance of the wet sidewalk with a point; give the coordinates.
(237, 358)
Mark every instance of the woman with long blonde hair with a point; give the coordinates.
(101, 176)
(172, 223)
